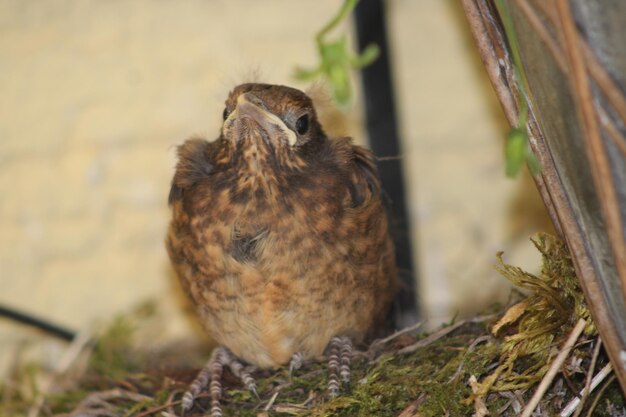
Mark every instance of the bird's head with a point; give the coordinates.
(272, 118)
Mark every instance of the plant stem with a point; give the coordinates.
(345, 10)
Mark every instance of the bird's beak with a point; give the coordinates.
(247, 108)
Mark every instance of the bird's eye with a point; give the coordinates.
(226, 113)
(302, 124)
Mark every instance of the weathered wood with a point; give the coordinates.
(575, 65)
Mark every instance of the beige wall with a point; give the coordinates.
(464, 208)
(95, 94)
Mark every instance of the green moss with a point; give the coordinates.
(111, 354)
(383, 387)
(66, 400)
(543, 320)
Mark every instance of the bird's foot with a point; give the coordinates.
(296, 362)
(339, 356)
(212, 374)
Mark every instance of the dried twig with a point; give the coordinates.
(97, 403)
(411, 409)
(69, 357)
(165, 406)
(270, 403)
(592, 369)
(441, 333)
(610, 128)
(515, 400)
(389, 158)
(573, 404)
(378, 343)
(479, 402)
(431, 338)
(600, 393)
(554, 368)
(114, 394)
(170, 403)
(544, 34)
(471, 347)
(294, 409)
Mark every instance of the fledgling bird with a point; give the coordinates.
(280, 239)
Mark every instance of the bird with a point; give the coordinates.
(280, 238)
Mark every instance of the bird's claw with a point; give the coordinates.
(339, 356)
(295, 363)
(211, 375)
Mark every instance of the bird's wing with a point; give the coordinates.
(196, 160)
(365, 182)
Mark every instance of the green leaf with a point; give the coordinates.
(307, 74)
(336, 60)
(516, 151)
(369, 55)
(334, 52)
(340, 81)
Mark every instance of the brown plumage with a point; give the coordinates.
(278, 233)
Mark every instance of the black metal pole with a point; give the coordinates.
(384, 139)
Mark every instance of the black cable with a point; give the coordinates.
(38, 323)
(382, 129)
